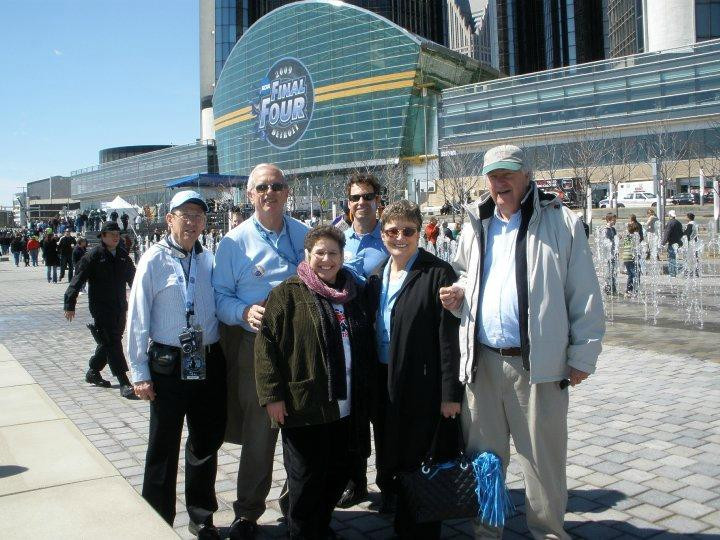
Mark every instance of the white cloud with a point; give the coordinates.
(57, 52)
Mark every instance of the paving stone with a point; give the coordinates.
(683, 524)
(646, 450)
(689, 508)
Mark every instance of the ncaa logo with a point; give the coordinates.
(285, 103)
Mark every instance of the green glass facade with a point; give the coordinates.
(371, 90)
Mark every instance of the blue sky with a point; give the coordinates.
(81, 75)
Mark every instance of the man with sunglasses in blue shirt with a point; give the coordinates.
(364, 251)
(251, 260)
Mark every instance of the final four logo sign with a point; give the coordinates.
(284, 105)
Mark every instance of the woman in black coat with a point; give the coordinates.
(418, 340)
(51, 256)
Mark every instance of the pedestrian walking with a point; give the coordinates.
(16, 248)
(531, 323)
(629, 256)
(671, 238)
(33, 247)
(66, 245)
(108, 270)
(610, 234)
(177, 364)
(50, 254)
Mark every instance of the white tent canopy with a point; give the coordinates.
(121, 205)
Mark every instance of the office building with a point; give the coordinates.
(659, 105)
(142, 176)
(535, 35)
(47, 198)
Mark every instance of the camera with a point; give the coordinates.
(188, 341)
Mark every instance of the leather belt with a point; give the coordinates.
(507, 351)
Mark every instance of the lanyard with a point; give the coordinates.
(188, 291)
(264, 235)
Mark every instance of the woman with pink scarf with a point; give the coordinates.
(314, 360)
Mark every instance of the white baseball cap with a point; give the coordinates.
(188, 196)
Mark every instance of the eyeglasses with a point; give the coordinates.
(190, 217)
(275, 186)
(365, 197)
(322, 253)
(407, 232)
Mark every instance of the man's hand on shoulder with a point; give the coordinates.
(452, 297)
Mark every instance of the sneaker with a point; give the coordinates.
(93, 377)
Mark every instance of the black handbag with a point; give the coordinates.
(439, 491)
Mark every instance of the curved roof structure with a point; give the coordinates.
(320, 84)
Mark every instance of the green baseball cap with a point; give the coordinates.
(506, 156)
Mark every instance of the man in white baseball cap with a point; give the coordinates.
(178, 365)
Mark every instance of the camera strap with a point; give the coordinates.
(187, 283)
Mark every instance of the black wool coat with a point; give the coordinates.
(108, 277)
(424, 360)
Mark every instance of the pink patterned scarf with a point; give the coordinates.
(317, 285)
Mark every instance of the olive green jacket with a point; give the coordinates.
(289, 362)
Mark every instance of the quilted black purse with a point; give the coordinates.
(439, 491)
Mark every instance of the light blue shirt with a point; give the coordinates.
(156, 309)
(389, 294)
(499, 320)
(364, 252)
(250, 261)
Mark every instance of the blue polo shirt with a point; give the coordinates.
(250, 261)
(364, 252)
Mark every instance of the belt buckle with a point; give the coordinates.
(502, 351)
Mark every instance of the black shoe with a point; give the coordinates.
(127, 391)
(204, 531)
(242, 529)
(93, 377)
(351, 496)
(388, 503)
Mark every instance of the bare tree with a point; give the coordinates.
(584, 155)
(460, 174)
(708, 153)
(625, 158)
(669, 148)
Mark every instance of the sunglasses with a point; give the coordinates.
(407, 232)
(276, 186)
(365, 197)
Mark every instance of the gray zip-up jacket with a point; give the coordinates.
(562, 321)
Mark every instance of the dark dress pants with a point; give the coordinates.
(203, 404)
(66, 262)
(316, 462)
(111, 350)
(358, 463)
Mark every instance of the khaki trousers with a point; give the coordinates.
(248, 424)
(501, 403)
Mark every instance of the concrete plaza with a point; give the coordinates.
(644, 441)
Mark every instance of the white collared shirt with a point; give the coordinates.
(499, 320)
(157, 306)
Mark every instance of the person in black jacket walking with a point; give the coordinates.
(65, 248)
(673, 235)
(49, 248)
(108, 269)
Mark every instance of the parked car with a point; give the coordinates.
(632, 200)
(684, 198)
